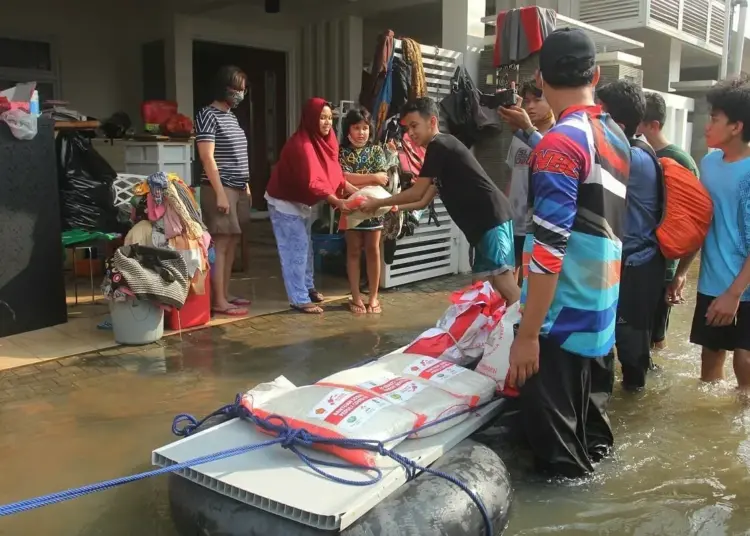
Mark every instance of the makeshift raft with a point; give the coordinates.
(272, 491)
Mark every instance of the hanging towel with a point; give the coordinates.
(413, 55)
(520, 33)
(154, 274)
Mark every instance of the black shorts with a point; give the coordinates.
(729, 338)
(518, 242)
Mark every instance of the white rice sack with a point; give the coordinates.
(333, 412)
(425, 399)
(473, 388)
(357, 198)
(495, 362)
(461, 333)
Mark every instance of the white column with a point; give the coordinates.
(660, 71)
(463, 31)
(353, 54)
(181, 56)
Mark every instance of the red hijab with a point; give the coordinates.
(308, 169)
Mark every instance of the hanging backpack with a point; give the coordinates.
(687, 207)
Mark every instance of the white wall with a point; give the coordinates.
(422, 23)
(97, 47)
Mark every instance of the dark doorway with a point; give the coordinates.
(263, 114)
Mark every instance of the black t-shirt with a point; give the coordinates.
(470, 197)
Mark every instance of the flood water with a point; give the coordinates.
(681, 464)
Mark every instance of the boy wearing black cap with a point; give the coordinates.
(561, 357)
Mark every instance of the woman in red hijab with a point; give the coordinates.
(307, 172)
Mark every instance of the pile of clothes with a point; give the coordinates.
(166, 253)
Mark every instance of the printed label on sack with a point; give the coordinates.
(393, 388)
(347, 409)
(434, 370)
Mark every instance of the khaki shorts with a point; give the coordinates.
(219, 223)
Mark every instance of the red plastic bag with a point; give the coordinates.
(157, 112)
(178, 124)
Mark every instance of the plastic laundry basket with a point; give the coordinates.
(136, 322)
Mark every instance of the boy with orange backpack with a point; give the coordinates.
(721, 322)
(652, 129)
(642, 265)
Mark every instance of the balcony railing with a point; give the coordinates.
(698, 22)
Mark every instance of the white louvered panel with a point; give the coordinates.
(605, 13)
(695, 18)
(716, 35)
(666, 11)
(432, 251)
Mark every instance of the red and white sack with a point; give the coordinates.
(428, 401)
(471, 387)
(461, 332)
(333, 412)
(495, 362)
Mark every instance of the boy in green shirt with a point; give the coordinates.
(651, 128)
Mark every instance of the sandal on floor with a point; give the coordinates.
(231, 311)
(241, 302)
(311, 309)
(316, 296)
(375, 309)
(357, 308)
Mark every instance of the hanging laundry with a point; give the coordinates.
(193, 229)
(141, 189)
(141, 234)
(157, 183)
(154, 274)
(155, 211)
(412, 53)
(172, 223)
(381, 64)
(520, 33)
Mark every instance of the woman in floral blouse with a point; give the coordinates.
(364, 164)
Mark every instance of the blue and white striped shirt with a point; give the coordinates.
(230, 145)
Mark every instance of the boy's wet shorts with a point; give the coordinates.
(495, 252)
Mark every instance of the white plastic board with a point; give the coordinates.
(275, 480)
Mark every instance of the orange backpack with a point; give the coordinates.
(688, 209)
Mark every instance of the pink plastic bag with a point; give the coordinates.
(461, 333)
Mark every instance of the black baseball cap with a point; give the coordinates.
(564, 48)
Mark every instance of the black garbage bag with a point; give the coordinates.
(85, 179)
(465, 115)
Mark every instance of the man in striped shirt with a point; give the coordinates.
(561, 357)
(225, 191)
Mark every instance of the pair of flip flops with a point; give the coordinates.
(238, 308)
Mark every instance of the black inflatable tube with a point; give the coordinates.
(427, 506)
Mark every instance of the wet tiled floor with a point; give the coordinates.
(98, 416)
(261, 283)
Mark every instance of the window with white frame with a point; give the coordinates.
(23, 60)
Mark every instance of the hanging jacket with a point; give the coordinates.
(373, 85)
(400, 84)
(520, 33)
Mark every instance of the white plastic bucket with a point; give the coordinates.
(136, 322)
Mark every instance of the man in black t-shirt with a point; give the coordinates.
(472, 200)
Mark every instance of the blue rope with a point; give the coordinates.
(287, 437)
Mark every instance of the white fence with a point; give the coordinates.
(433, 250)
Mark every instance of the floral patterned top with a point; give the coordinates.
(363, 161)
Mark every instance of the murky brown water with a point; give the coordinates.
(681, 465)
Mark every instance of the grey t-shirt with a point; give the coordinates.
(518, 162)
